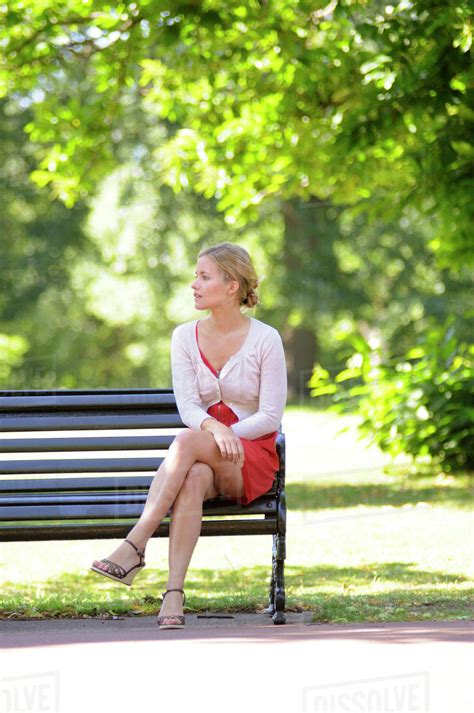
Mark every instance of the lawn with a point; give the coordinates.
(366, 542)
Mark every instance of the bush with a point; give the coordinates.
(421, 403)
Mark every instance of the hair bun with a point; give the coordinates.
(252, 298)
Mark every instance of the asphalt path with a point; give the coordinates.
(241, 664)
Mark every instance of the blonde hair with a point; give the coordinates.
(236, 264)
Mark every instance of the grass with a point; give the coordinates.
(366, 542)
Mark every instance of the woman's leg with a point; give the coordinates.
(188, 447)
(185, 528)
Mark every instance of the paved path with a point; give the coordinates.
(70, 665)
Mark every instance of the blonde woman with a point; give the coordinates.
(230, 384)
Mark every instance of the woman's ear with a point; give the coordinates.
(233, 287)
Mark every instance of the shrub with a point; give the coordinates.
(421, 403)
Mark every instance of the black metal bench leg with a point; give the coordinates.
(271, 595)
(271, 601)
(276, 605)
(279, 579)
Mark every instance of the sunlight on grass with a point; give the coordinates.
(365, 542)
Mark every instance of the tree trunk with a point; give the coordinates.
(301, 247)
(300, 351)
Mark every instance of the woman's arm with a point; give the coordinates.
(228, 443)
(272, 394)
(190, 407)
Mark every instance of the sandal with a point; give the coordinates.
(118, 573)
(180, 619)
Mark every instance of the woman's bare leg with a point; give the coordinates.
(186, 521)
(187, 448)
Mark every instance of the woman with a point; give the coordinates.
(229, 379)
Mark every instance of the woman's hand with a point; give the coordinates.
(228, 443)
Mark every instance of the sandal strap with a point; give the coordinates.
(116, 570)
(174, 590)
(141, 553)
(161, 619)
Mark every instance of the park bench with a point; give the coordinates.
(58, 485)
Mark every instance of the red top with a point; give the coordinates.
(203, 357)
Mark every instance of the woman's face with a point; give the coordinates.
(210, 289)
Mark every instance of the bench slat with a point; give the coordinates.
(119, 482)
(71, 512)
(74, 422)
(31, 533)
(116, 509)
(264, 504)
(63, 402)
(14, 393)
(92, 443)
(30, 500)
(82, 465)
(112, 484)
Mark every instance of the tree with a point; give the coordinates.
(90, 294)
(353, 102)
(260, 107)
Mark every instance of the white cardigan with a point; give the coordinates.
(253, 382)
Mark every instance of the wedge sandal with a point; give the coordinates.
(179, 618)
(118, 573)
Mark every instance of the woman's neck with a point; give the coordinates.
(225, 320)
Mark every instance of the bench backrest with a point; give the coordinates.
(78, 464)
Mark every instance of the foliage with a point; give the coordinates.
(38, 239)
(351, 101)
(96, 285)
(389, 286)
(96, 276)
(419, 404)
(263, 108)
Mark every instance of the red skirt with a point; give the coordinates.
(261, 459)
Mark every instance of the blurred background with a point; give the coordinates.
(330, 139)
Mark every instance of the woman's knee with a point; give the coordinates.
(199, 479)
(199, 472)
(184, 437)
(186, 440)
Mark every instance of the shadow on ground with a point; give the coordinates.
(394, 591)
(314, 496)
